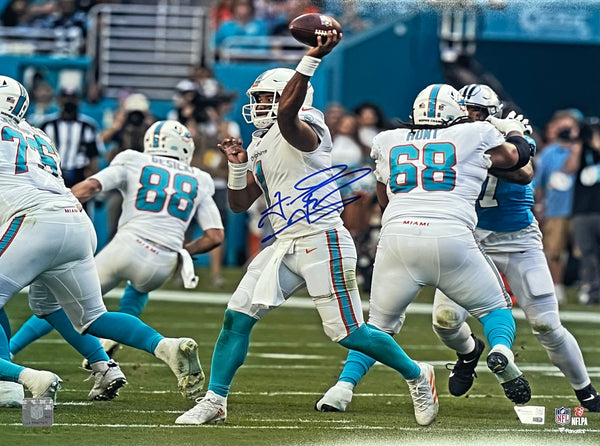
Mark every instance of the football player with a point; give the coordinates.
(429, 177)
(289, 162)
(162, 193)
(48, 243)
(510, 235)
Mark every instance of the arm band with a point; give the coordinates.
(308, 65)
(236, 177)
(523, 149)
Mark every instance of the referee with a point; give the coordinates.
(76, 138)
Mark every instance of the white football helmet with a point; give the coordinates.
(271, 81)
(480, 95)
(169, 138)
(14, 100)
(437, 104)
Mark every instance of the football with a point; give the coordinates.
(307, 27)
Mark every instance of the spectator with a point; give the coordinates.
(290, 10)
(222, 11)
(69, 24)
(210, 159)
(126, 132)
(243, 23)
(371, 120)
(333, 115)
(42, 102)
(586, 211)
(359, 196)
(554, 193)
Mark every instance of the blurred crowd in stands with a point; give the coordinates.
(567, 180)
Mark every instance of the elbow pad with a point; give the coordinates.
(523, 149)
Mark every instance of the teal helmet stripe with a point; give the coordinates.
(433, 100)
(20, 102)
(156, 137)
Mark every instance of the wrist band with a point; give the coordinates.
(308, 65)
(236, 178)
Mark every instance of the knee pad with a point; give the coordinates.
(448, 317)
(544, 323)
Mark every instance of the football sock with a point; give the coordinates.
(499, 327)
(87, 345)
(126, 329)
(564, 353)
(5, 328)
(33, 329)
(381, 347)
(133, 301)
(230, 350)
(357, 365)
(8, 370)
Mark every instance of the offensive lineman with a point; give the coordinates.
(429, 176)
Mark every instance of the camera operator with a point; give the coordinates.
(126, 132)
(129, 126)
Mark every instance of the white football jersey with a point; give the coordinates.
(434, 173)
(301, 197)
(161, 195)
(30, 176)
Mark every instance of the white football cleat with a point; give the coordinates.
(40, 383)
(109, 346)
(210, 409)
(181, 355)
(424, 395)
(336, 399)
(11, 394)
(108, 379)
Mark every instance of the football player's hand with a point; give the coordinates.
(507, 125)
(233, 150)
(523, 119)
(325, 45)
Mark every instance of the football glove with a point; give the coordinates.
(523, 119)
(507, 125)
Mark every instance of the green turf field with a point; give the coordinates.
(290, 364)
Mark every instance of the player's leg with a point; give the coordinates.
(530, 279)
(449, 324)
(11, 393)
(470, 278)
(232, 344)
(33, 329)
(19, 265)
(341, 312)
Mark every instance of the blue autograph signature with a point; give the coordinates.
(313, 209)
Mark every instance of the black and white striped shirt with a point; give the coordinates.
(77, 142)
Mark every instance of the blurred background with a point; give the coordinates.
(121, 65)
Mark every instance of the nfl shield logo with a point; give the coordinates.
(562, 416)
(36, 412)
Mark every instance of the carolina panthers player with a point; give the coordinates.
(429, 177)
(289, 161)
(510, 235)
(47, 242)
(162, 193)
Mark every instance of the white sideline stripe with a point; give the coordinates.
(306, 302)
(353, 427)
